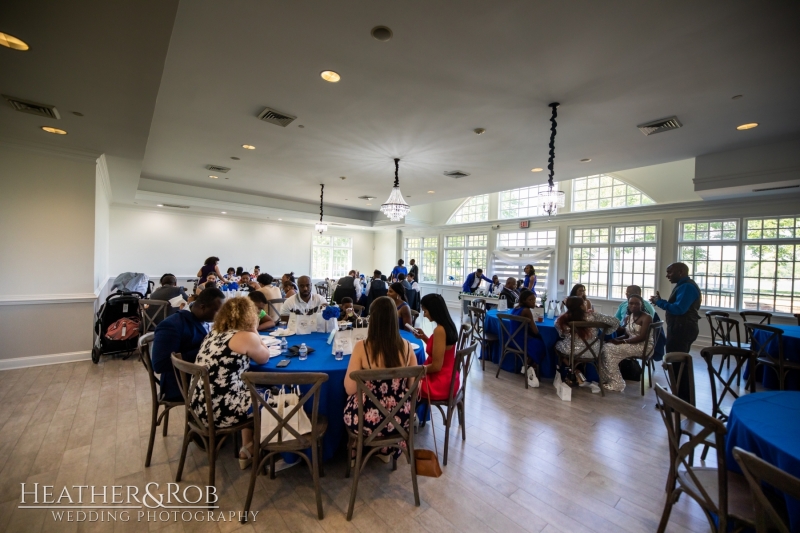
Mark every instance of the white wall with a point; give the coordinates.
(159, 241)
(386, 254)
(101, 221)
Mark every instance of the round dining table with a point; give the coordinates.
(768, 425)
(791, 352)
(332, 394)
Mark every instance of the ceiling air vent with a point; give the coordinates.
(43, 110)
(366, 197)
(215, 168)
(274, 117)
(456, 174)
(176, 205)
(657, 126)
(777, 188)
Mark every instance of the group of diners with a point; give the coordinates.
(223, 335)
(510, 291)
(238, 279)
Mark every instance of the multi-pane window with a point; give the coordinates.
(463, 254)
(711, 248)
(608, 259)
(520, 203)
(528, 239)
(474, 209)
(771, 268)
(519, 244)
(332, 256)
(425, 252)
(605, 192)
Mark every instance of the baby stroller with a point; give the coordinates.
(117, 325)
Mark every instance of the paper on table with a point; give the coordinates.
(177, 301)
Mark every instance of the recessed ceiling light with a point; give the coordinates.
(77, 114)
(736, 97)
(329, 75)
(431, 192)
(57, 131)
(160, 205)
(381, 33)
(9, 41)
(479, 131)
(214, 177)
(224, 212)
(537, 169)
(280, 219)
(585, 160)
(748, 126)
(248, 147)
(369, 204)
(235, 158)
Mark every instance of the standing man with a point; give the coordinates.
(471, 284)
(399, 269)
(414, 268)
(682, 316)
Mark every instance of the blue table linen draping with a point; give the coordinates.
(791, 352)
(332, 394)
(768, 425)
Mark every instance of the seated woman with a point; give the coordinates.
(288, 289)
(536, 348)
(398, 295)
(441, 349)
(265, 321)
(210, 281)
(576, 312)
(383, 348)
(579, 290)
(226, 352)
(629, 343)
(230, 275)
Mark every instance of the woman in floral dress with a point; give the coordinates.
(383, 348)
(636, 326)
(576, 312)
(226, 353)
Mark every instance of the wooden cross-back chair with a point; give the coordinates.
(755, 317)
(715, 327)
(760, 348)
(477, 318)
(758, 473)
(514, 340)
(592, 352)
(156, 399)
(151, 312)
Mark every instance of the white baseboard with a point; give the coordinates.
(40, 360)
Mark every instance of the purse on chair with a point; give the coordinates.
(427, 461)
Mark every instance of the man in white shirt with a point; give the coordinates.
(377, 282)
(305, 302)
(496, 287)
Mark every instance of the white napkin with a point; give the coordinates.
(282, 333)
(274, 351)
(177, 301)
(269, 341)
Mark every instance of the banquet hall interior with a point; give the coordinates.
(634, 165)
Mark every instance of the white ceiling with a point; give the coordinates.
(452, 66)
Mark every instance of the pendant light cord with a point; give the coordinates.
(321, 192)
(396, 170)
(552, 157)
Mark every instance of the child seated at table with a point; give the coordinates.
(348, 312)
(265, 322)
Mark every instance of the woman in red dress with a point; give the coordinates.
(441, 349)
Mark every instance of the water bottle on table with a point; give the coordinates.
(284, 346)
(303, 352)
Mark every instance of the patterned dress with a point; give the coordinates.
(563, 346)
(616, 353)
(230, 398)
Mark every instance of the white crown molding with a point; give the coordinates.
(746, 178)
(105, 180)
(38, 299)
(75, 154)
(41, 360)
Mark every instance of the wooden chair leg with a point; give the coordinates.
(184, 447)
(350, 450)
(253, 474)
(165, 422)
(212, 461)
(315, 466)
(354, 488)
(447, 434)
(462, 421)
(150, 444)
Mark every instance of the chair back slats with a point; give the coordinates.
(725, 327)
(151, 312)
(462, 365)
(358, 309)
(655, 330)
(686, 372)
(755, 317)
(714, 326)
(463, 336)
(407, 374)
(283, 379)
(273, 306)
(511, 326)
(673, 412)
(479, 303)
(188, 375)
(477, 317)
(760, 347)
(758, 472)
(594, 345)
(145, 341)
(740, 356)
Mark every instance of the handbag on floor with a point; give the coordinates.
(427, 461)
(630, 370)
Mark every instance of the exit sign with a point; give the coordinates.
(524, 224)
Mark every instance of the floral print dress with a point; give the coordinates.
(230, 398)
(616, 353)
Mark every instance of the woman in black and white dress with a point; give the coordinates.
(226, 353)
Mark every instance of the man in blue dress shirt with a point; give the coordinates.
(471, 284)
(183, 333)
(682, 316)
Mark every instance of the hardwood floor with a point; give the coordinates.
(530, 462)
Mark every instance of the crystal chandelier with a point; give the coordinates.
(396, 207)
(551, 199)
(321, 226)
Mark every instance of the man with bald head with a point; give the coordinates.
(509, 293)
(305, 302)
(682, 315)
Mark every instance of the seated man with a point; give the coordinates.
(633, 290)
(403, 280)
(183, 333)
(169, 289)
(510, 293)
(496, 287)
(305, 302)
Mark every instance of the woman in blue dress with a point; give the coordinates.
(530, 279)
(536, 348)
(398, 295)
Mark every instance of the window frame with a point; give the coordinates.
(420, 256)
(771, 241)
(464, 256)
(517, 215)
(331, 273)
(574, 195)
(450, 221)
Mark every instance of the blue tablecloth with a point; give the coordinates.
(768, 425)
(791, 351)
(543, 349)
(332, 394)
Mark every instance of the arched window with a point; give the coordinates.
(474, 209)
(605, 192)
(521, 203)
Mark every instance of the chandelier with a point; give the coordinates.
(320, 226)
(551, 199)
(396, 207)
